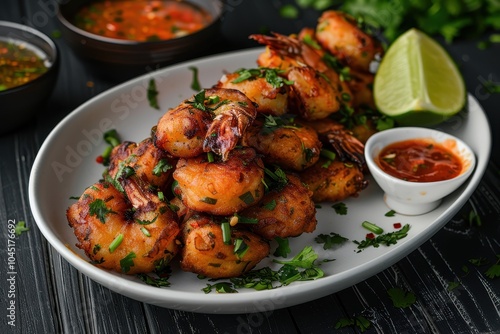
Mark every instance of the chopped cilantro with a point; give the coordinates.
(390, 213)
(127, 262)
(99, 209)
(330, 240)
(283, 248)
(222, 287)
(146, 222)
(154, 281)
(340, 208)
(386, 239)
(162, 167)
(359, 321)
(195, 83)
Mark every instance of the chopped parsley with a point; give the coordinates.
(115, 243)
(146, 222)
(390, 213)
(494, 270)
(195, 83)
(158, 282)
(127, 262)
(283, 248)
(272, 76)
(401, 298)
(359, 321)
(340, 208)
(153, 94)
(162, 167)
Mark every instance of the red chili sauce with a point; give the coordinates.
(419, 160)
(141, 20)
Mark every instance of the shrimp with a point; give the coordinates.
(205, 252)
(332, 181)
(340, 34)
(317, 90)
(131, 232)
(271, 99)
(340, 139)
(234, 112)
(283, 142)
(286, 211)
(152, 165)
(220, 187)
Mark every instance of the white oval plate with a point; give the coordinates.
(65, 166)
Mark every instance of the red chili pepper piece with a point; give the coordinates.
(370, 236)
(99, 159)
(397, 225)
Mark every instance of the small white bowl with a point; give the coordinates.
(416, 198)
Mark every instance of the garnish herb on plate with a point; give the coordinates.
(340, 208)
(372, 227)
(195, 83)
(390, 213)
(386, 239)
(359, 321)
(111, 137)
(20, 228)
(494, 270)
(301, 267)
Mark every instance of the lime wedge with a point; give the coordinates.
(417, 82)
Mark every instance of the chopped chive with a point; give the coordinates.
(115, 243)
(226, 232)
(372, 227)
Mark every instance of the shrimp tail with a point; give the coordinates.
(230, 122)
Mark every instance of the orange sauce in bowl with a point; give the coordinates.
(419, 160)
(141, 20)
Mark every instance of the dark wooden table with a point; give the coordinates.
(52, 297)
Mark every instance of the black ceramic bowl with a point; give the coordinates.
(21, 103)
(125, 52)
